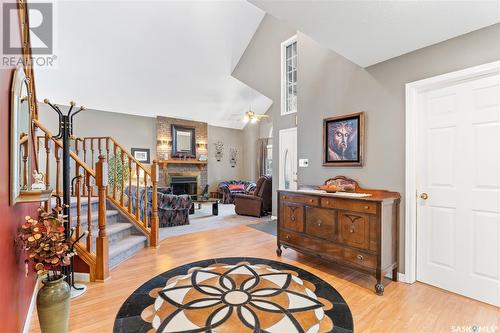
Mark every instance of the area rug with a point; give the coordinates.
(269, 227)
(232, 295)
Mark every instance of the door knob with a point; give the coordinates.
(424, 196)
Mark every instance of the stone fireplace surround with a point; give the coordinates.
(164, 134)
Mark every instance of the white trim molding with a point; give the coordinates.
(284, 45)
(27, 321)
(413, 92)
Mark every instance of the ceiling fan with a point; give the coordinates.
(252, 117)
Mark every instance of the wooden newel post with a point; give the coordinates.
(102, 250)
(154, 208)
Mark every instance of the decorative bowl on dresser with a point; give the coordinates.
(355, 229)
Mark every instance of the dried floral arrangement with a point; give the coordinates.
(45, 243)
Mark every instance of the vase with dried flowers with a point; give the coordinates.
(48, 250)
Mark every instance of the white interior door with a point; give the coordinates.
(458, 168)
(288, 159)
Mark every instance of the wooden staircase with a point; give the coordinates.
(100, 206)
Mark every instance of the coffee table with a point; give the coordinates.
(214, 202)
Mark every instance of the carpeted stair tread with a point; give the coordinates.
(125, 244)
(83, 201)
(117, 227)
(94, 215)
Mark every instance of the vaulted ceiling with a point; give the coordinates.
(169, 58)
(368, 32)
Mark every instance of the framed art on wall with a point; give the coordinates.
(141, 154)
(343, 140)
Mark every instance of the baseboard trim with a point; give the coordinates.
(273, 218)
(82, 277)
(27, 321)
(401, 277)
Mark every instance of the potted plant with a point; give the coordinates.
(48, 250)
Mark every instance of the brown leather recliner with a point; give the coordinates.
(259, 202)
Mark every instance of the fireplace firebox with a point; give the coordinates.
(184, 185)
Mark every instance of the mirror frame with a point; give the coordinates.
(18, 81)
(175, 152)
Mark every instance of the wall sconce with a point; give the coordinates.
(201, 145)
(164, 143)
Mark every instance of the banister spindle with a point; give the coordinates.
(92, 152)
(57, 155)
(48, 143)
(137, 197)
(115, 169)
(145, 220)
(154, 206)
(129, 185)
(89, 211)
(102, 250)
(122, 160)
(78, 206)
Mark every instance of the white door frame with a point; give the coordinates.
(413, 92)
(285, 130)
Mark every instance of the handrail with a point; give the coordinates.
(119, 145)
(136, 209)
(75, 157)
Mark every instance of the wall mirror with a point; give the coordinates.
(20, 137)
(183, 141)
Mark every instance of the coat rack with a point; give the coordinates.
(65, 133)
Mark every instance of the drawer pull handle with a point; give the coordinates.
(360, 257)
(367, 207)
(293, 218)
(311, 200)
(351, 230)
(319, 223)
(328, 202)
(287, 236)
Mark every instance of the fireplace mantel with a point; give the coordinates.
(199, 164)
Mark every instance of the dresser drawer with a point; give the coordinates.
(360, 258)
(320, 247)
(292, 217)
(320, 223)
(354, 229)
(304, 199)
(350, 204)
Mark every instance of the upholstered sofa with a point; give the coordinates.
(173, 210)
(227, 190)
(258, 202)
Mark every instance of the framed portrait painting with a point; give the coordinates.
(343, 140)
(141, 154)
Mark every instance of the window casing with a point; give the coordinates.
(289, 76)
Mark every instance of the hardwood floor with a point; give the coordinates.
(403, 308)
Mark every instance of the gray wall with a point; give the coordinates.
(330, 85)
(140, 132)
(130, 131)
(259, 67)
(220, 171)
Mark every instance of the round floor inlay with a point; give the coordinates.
(236, 297)
(232, 295)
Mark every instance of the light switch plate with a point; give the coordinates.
(303, 162)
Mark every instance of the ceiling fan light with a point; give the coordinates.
(253, 120)
(246, 118)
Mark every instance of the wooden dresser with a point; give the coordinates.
(358, 232)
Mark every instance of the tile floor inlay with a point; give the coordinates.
(235, 295)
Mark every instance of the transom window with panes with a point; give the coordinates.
(289, 77)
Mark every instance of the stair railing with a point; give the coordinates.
(89, 185)
(133, 187)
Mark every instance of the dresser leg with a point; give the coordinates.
(395, 274)
(279, 251)
(379, 288)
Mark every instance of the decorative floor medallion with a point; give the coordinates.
(232, 295)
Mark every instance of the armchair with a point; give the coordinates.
(230, 188)
(258, 202)
(173, 210)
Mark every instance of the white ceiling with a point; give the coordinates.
(168, 58)
(368, 32)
